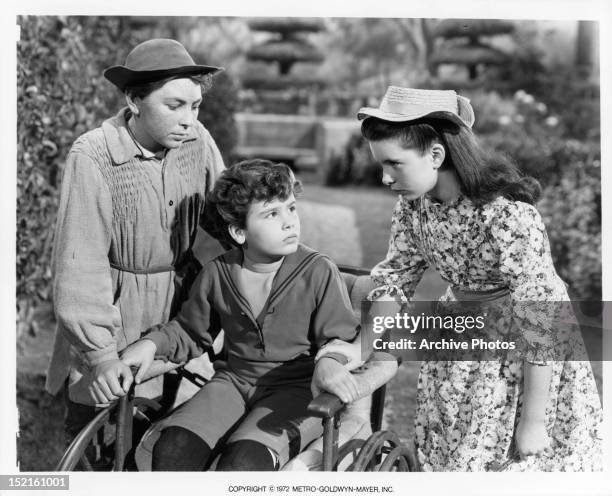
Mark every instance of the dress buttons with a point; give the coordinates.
(171, 203)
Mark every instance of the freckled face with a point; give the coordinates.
(405, 170)
(166, 115)
(272, 229)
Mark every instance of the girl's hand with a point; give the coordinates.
(352, 351)
(105, 386)
(531, 438)
(333, 377)
(139, 354)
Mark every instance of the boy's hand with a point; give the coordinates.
(333, 377)
(105, 386)
(531, 438)
(139, 354)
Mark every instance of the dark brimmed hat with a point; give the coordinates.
(153, 60)
(408, 104)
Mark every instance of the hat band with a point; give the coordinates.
(409, 109)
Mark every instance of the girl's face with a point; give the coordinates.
(272, 230)
(165, 116)
(406, 170)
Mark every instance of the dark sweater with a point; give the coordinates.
(307, 306)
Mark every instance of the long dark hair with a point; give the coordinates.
(482, 176)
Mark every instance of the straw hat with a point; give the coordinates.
(407, 104)
(153, 60)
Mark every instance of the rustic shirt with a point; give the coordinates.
(126, 220)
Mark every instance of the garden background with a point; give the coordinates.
(534, 86)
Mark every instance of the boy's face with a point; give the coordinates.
(166, 116)
(406, 170)
(272, 230)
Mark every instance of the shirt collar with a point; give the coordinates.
(121, 145)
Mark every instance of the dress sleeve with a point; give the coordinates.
(400, 272)
(334, 317)
(194, 328)
(82, 285)
(526, 267)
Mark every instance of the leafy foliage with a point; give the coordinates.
(354, 166)
(217, 113)
(60, 94)
(541, 143)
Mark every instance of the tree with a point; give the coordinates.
(371, 53)
(471, 51)
(285, 92)
(585, 47)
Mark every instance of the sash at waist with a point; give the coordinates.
(484, 296)
(188, 259)
(150, 270)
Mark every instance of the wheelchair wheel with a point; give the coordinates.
(349, 451)
(101, 445)
(384, 452)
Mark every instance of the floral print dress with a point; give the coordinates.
(467, 411)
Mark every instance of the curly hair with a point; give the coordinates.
(482, 177)
(239, 186)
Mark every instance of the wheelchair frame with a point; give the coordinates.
(382, 451)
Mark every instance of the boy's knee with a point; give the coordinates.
(180, 449)
(247, 455)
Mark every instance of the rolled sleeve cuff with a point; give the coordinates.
(96, 357)
(339, 357)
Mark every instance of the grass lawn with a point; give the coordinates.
(372, 206)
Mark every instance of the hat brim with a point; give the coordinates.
(391, 117)
(123, 77)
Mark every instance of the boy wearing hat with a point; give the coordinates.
(131, 200)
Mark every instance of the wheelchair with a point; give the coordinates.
(108, 442)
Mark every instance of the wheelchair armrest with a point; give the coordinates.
(325, 405)
(373, 374)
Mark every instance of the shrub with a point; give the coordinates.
(217, 113)
(571, 209)
(60, 94)
(354, 166)
(569, 171)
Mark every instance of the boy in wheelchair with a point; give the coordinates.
(278, 303)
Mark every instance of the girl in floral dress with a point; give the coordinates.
(473, 219)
